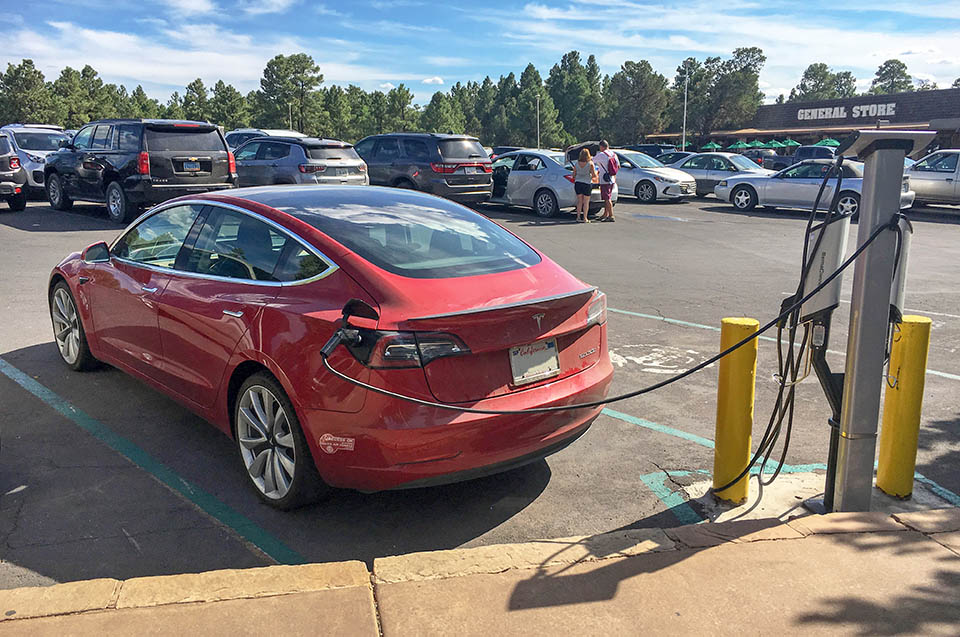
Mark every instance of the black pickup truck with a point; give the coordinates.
(779, 162)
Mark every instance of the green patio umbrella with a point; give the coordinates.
(757, 144)
(828, 142)
(687, 145)
(774, 144)
(790, 142)
(711, 146)
(738, 146)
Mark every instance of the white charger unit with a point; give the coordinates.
(824, 261)
(900, 275)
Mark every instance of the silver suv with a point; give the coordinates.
(32, 143)
(235, 138)
(265, 161)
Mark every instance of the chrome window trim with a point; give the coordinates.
(478, 310)
(331, 265)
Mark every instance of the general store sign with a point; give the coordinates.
(842, 112)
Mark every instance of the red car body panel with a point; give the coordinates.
(180, 340)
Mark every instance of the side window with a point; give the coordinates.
(82, 140)
(505, 162)
(791, 173)
(365, 147)
(388, 149)
(948, 164)
(718, 163)
(300, 264)
(416, 149)
(236, 245)
(526, 162)
(101, 138)
(126, 138)
(699, 163)
(248, 152)
(938, 163)
(274, 150)
(157, 239)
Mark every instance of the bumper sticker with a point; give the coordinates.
(332, 444)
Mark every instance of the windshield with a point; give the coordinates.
(743, 163)
(422, 238)
(641, 160)
(39, 141)
(184, 139)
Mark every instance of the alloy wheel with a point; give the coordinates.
(848, 204)
(741, 199)
(266, 442)
(66, 326)
(53, 187)
(646, 192)
(545, 204)
(115, 203)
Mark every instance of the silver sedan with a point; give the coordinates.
(648, 180)
(709, 169)
(936, 177)
(539, 179)
(797, 187)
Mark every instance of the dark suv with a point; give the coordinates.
(13, 178)
(452, 166)
(654, 150)
(133, 163)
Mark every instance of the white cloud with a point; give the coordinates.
(322, 9)
(262, 7)
(387, 86)
(433, 80)
(191, 7)
(443, 60)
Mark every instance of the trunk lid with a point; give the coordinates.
(186, 154)
(464, 162)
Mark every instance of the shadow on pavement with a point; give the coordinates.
(45, 219)
(74, 509)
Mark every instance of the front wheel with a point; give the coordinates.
(68, 330)
(646, 192)
(119, 208)
(545, 204)
(55, 195)
(17, 202)
(272, 446)
(744, 198)
(849, 203)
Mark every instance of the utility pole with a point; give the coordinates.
(290, 115)
(538, 120)
(686, 81)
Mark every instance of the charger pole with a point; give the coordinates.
(869, 319)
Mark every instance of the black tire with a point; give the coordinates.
(849, 202)
(545, 204)
(743, 198)
(770, 208)
(406, 184)
(55, 195)
(17, 202)
(60, 316)
(646, 192)
(119, 208)
(306, 485)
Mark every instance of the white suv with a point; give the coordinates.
(236, 137)
(33, 142)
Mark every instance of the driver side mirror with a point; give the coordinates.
(65, 143)
(96, 253)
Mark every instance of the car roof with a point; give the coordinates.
(31, 128)
(440, 136)
(301, 141)
(166, 122)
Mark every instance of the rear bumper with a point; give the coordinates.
(393, 444)
(145, 191)
(11, 180)
(470, 193)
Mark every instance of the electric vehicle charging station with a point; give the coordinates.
(876, 304)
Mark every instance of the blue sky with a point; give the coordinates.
(430, 45)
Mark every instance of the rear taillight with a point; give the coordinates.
(396, 350)
(14, 163)
(231, 162)
(487, 168)
(568, 178)
(444, 169)
(311, 168)
(143, 163)
(597, 312)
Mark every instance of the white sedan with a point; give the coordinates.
(797, 187)
(648, 180)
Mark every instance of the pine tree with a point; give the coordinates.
(24, 96)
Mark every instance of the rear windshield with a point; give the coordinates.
(184, 139)
(332, 152)
(39, 141)
(4, 146)
(422, 238)
(461, 149)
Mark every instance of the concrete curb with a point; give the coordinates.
(941, 525)
(212, 586)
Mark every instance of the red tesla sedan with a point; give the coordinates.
(224, 302)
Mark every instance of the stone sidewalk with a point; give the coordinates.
(839, 574)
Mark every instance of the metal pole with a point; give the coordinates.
(538, 120)
(867, 340)
(686, 81)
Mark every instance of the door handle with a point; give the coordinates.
(236, 314)
(148, 290)
(82, 279)
(538, 176)
(950, 179)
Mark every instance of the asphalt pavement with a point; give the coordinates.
(101, 476)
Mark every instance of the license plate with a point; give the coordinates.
(191, 165)
(471, 170)
(342, 172)
(533, 362)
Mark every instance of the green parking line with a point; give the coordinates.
(243, 526)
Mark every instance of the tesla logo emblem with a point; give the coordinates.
(538, 318)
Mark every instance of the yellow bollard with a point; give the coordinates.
(735, 393)
(901, 407)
